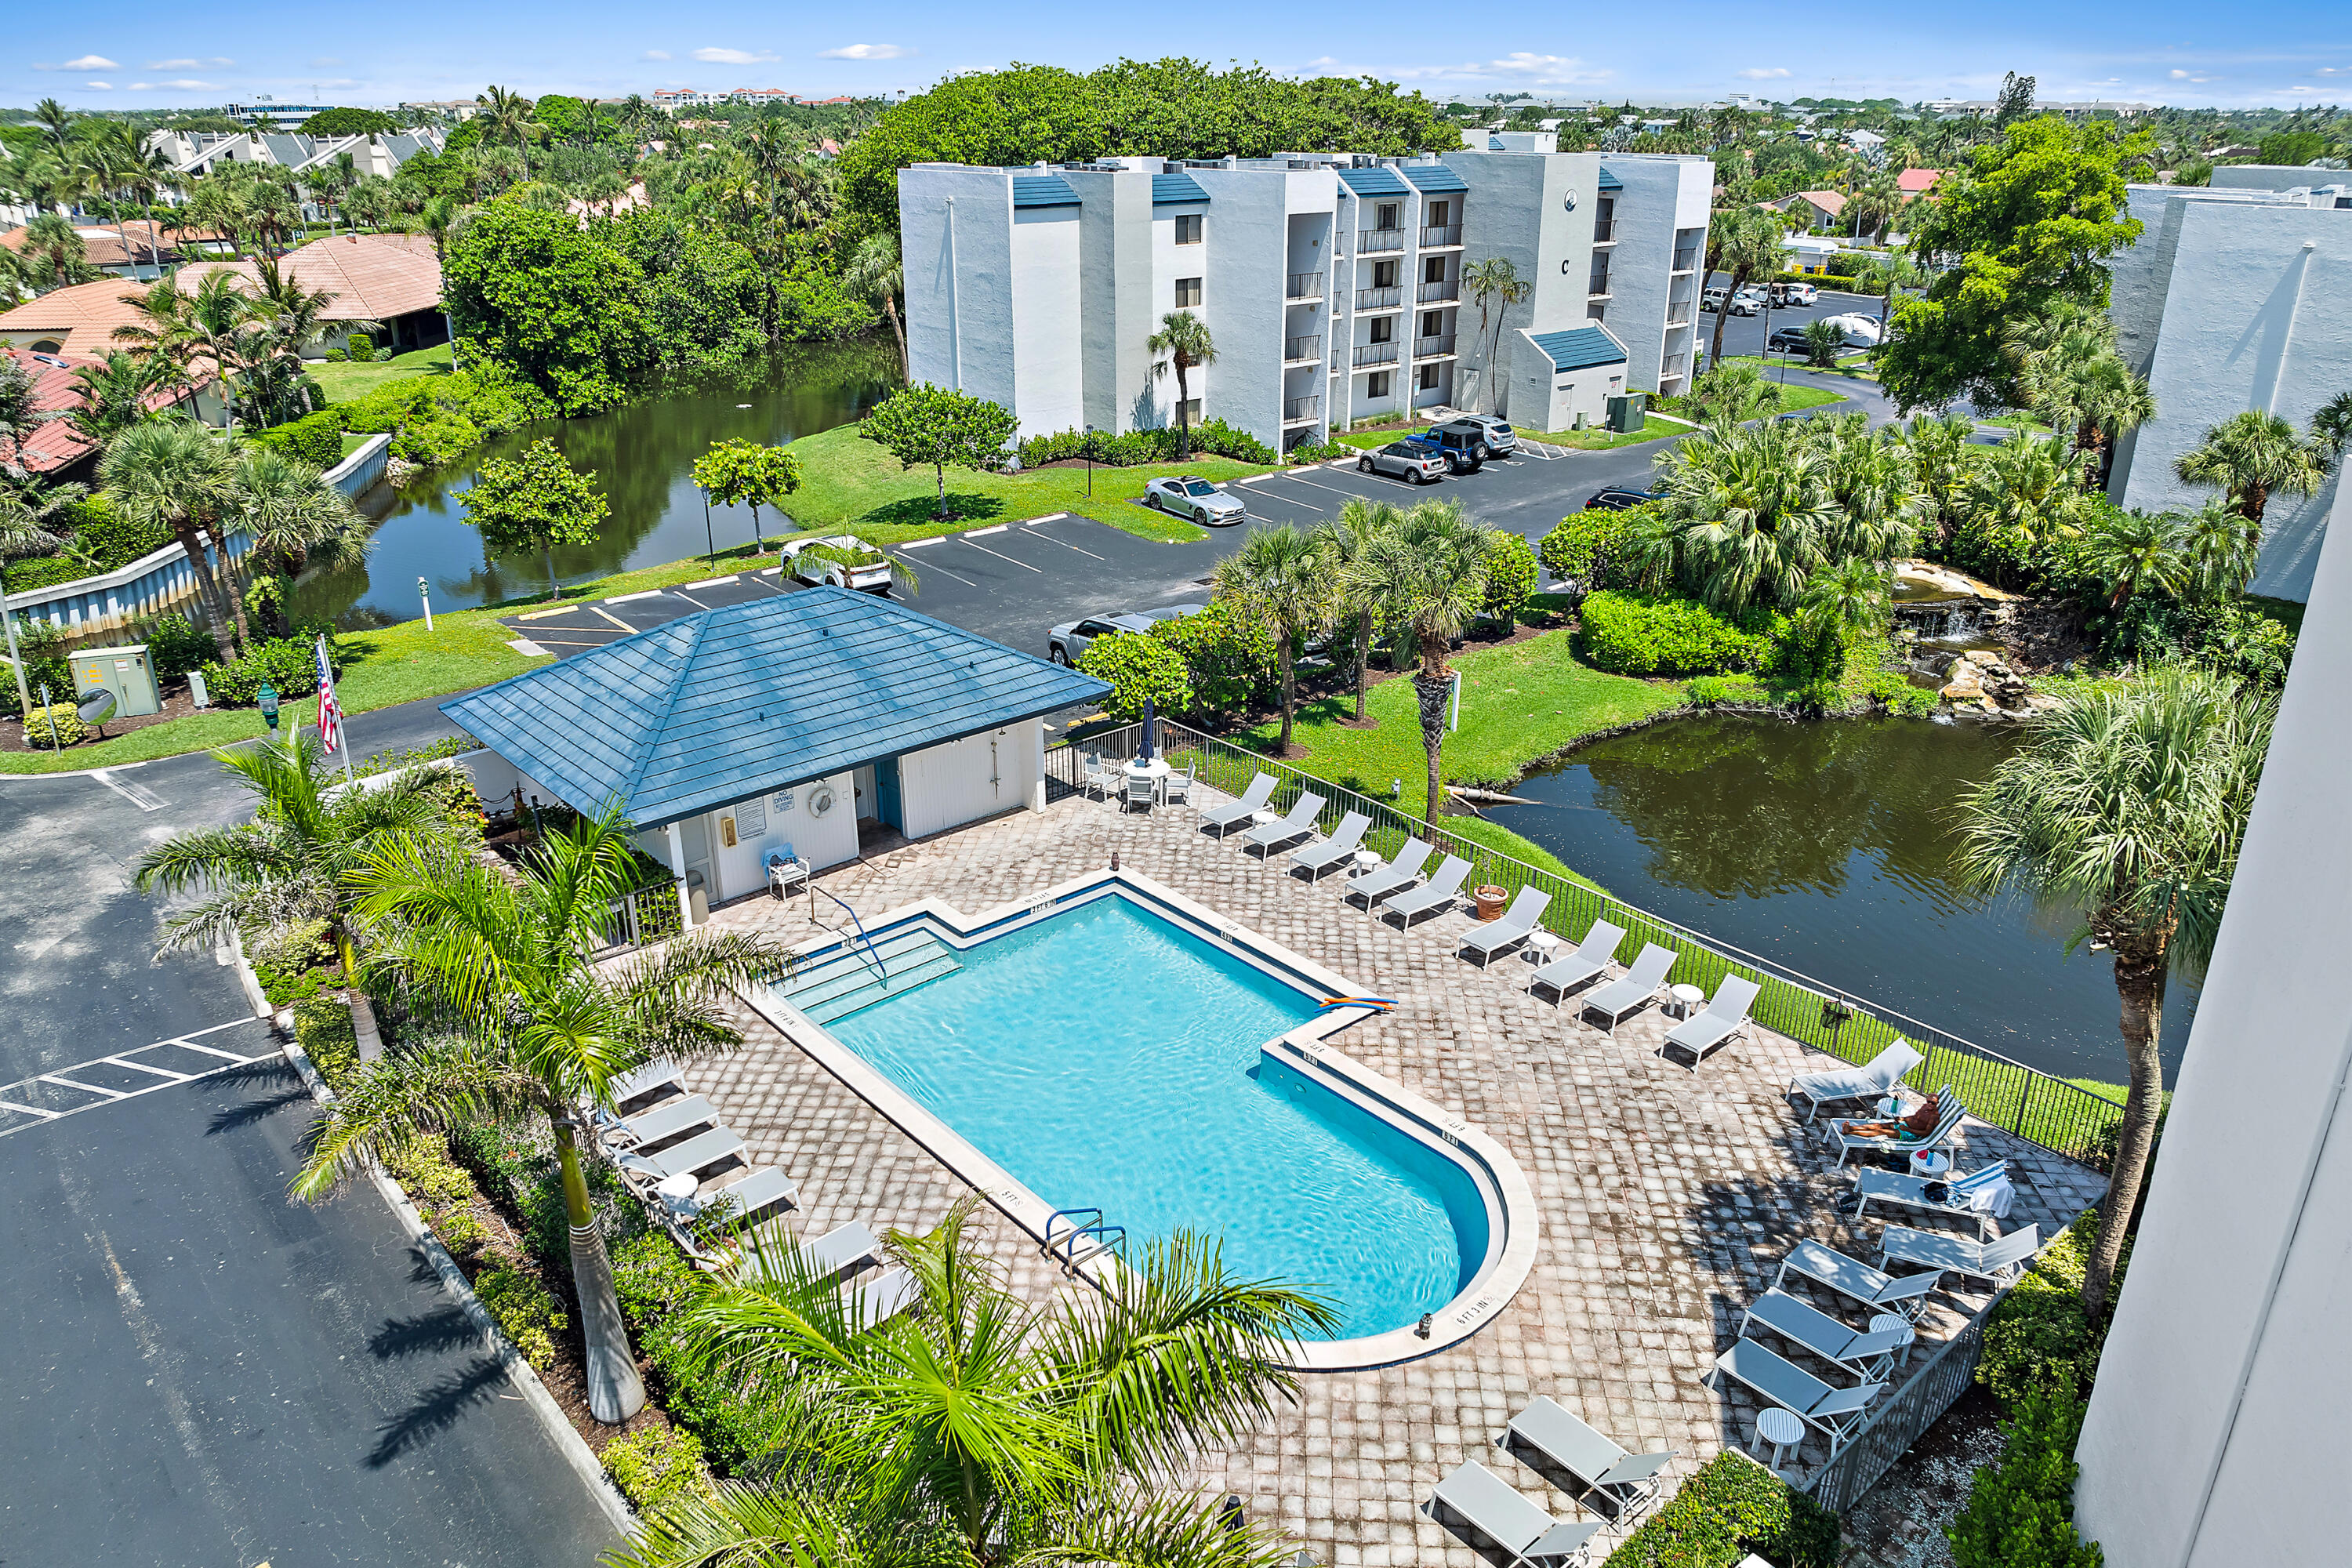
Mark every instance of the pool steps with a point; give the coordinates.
(836, 984)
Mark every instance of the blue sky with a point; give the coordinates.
(2176, 51)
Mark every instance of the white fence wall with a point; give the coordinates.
(962, 782)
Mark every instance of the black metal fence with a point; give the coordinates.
(1898, 1419)
(2051, 1111)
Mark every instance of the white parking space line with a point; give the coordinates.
(64, 1082)
(690, 599)
(30, 1111)
(102, 1097)
(145, 799)
(1335, 489)
(143, 1067)
(985, 550)
(615, 619)
(1063, 542)
(931, 566)
(984, 533)
(918, 543)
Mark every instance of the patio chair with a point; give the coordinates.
(1588, 960)
(696, 1155)
(1994, 1262)
(1857, 1280)
(875, 1301)
(1288, 829)
(1725, 1016)
(1094, 777)
(668, 1119)
(1234, 812)
(1527, 905)
(1868, 1356)
(640, 1088)
(1617, 1485)
(1431, 896)
(1176, 789)
(1384, 881)
(839, 1251)
(1528, 1534)
(1950, 1113)
(1973, 1196)
(1835, 1413)
(1628, 992)
(786, 870)
(1319, 857)
(751, 1198)
(1142, 790)
(1870, 1082)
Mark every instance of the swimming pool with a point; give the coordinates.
(1118, 1051)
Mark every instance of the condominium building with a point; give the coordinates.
(1332, 285)
(2233, 299)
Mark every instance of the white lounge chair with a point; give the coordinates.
(1507, 932)
(751, 1199)
(1868, 1356)
(665, 1121)
(1872, 1081)
(1482, 1498)
(1961, 1196)
(1725, 1015)
(878, 1301)
(1385, 881)
(696, 1155)
(633, 1091)
(1994, 1262)
(1294, 825)
(1950, 1113)
(1234, 812)
(1619, 1486)
(1588, 960)
(1637, 986)
(1835, 1413)
(1431, 896)
(838, 1251)
(1094, 776)
(1319, 857)
(1857, 1280)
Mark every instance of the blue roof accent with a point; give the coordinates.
(1435, 178)
(1043, 191)
(1380, 179)
(1610, 182)
(724, 705)
(1580, 348)
(1179, 187)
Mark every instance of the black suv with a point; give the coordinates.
(1617, 497)
(1464, 451)
(1787, 341)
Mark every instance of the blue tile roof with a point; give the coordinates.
(720, 705)
(1610, 182)
(1376, 181)
(1580, 349)
(1043, 191)
(1176, 188)
(1435, 178)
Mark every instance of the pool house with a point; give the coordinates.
(804, 727)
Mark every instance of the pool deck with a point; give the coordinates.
(1667, 1200)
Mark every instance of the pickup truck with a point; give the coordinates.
(869, 576)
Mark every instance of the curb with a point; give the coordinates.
(559, 1430)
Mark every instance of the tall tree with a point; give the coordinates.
(2130, 804)
(1745, 242)
(116, 394)
(877, 272)
(1429, 571)
(505, 117)
(1282, 577)
(535, 500)
(2331, 426)
(1496, 284)
(934, 427)
(2250, 456)
(179, 476)
(1348, 540)
(295, 520)
(1184, 343)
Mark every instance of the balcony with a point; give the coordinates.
(1439, 347)
(1438, 293)
(1440, 237)
(1686, 260)
(1302, 351)
(1604, 231)
(1389, 299)
(1305, 286)
(1302, 410)
(1368, 354)
(1370, 241)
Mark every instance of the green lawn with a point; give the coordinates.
(346, 380)
(1605, 440)
(1794, 395)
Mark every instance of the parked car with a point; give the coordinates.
(1861, 331)
(1464, 452)
(1414, 460)
(1713, 299)
(1617, 497)
(1787, 294)
(869, 570)
(1193, 497)
(1067, 642)
(1787, 341)
(1496, 434)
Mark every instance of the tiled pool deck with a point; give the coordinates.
(1667, 1200)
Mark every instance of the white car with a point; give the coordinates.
(1188, 495)
(870, 577)
(1861, 331)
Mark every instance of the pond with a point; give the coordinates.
(642, 454)
(1827, 848)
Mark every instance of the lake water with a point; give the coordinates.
(643, 458)
(1827, 848)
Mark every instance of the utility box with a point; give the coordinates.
(126, 672)
(1625, 412)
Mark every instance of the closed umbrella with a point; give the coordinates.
(1150, 733)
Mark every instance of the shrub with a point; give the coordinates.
(359, 348)
(1137, 667)
(525, 1312)
(315, 438)
(106, 540)
(2020, 1509)
(655, 1464)
(1320, 451)
(46, 572)
(1638, 634)
(288, 664)
(651, 1276)
(41, 647)
(1731, 1508)
(1134, 447)
(175, 645)
(1229, 659)
(1714, 690)
(461, 1230)
(423, 1167)
(322, 1027)
(1890, 689)
(2037, 1339)
(1510, 577)
(58, 724)
(1587, 547)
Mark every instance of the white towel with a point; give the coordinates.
(1992, 1198)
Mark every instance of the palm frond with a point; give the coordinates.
(1135, 1529)
(739, 1526)
(432, 1087)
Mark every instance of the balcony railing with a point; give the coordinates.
(1433, 294)
(1679, 315)
(1302, 410)
(1297, 351)
(1375, 353)
(1434, 235)
(1598, 286)
(1604, 231)
(1686, 260)
(1377, 239)
(1306, 286)
(1389, 299)
(1433, 348)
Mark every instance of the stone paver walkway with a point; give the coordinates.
(1666, 1199)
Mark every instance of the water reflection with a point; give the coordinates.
(1828, 847)
(643, 457)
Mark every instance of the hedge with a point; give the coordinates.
(655, 1464)
(290, 664)
(1588, 547)
(2020, 1509)
(58, 724)
(1213, 438)
(1229, 659)
(1510, 577)
(315, 438)
(1731, 1508)
(1138, 668)
(1640, 634)
(1830, 281)
(46, 572)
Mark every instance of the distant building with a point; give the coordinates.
(195, 154)
(2078, 109)
(153, 247)
(1918, 182)
(55, 449)
(1818, 209)
(275, 116)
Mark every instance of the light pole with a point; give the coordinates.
(7, 621)
(1090, 462)
(710, 543)
(425, 592)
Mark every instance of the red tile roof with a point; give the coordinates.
(1914, 182)
(58, 443)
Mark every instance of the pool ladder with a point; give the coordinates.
(1107, 1237)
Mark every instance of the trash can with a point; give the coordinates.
(697, 898)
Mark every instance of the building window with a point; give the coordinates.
(1384, 274)
(1429, 378)
(1432, 324)
(1383, 329)
(1600, 283)
(1432, 270)
(1441, 214)
(1377, 386)
(1189, 411)
(1387, 212)
(1188, 228)
(1188, 291)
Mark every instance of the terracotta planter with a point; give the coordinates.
(1491, 901)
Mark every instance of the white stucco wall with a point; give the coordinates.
(1544, 399)
(1049, 378)
(958, 275)
(2215, 1437)
(965, 780)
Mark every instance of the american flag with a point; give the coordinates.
(331, 714)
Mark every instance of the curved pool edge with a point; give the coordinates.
(1492, 1170)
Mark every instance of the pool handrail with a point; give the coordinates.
(871, 957)
(1101, 1230)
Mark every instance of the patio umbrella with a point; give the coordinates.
(1150, 731)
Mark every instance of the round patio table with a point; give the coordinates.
(1782, 1429)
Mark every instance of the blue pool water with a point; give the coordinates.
(1107, 1058)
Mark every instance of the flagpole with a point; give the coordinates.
(326, 675)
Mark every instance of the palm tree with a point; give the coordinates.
(1842, 601)
(176, 474)
(1282, 578)
(1733, 394)
(1496, 284)
(298, 313)
(1743, 242)
(2130, 804)
(116, 394)
(1429, 571)
(2331, 428)
(55, 254)
(295, 520)
(2023, 484)
(877, 272)
(505, 117)
(2250, 455)
(523, 1024)
(1348, 543)
(2131, 551)
(218, 202)
(981, 1430)
(1943, 463)
(2221, 552)
(1183, 338)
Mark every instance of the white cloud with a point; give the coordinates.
(2189, 75)
(213, 64)
(1764, 73)
(655, 55)
(87, 63)
(182, 85)
(868, 52)
(100, 86)
(731, 57)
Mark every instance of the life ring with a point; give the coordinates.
(820, 800)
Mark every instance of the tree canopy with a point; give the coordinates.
(536, 498)
(535, 293)
(349, 123)
(934, 425)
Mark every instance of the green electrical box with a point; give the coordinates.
(1625, 412)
